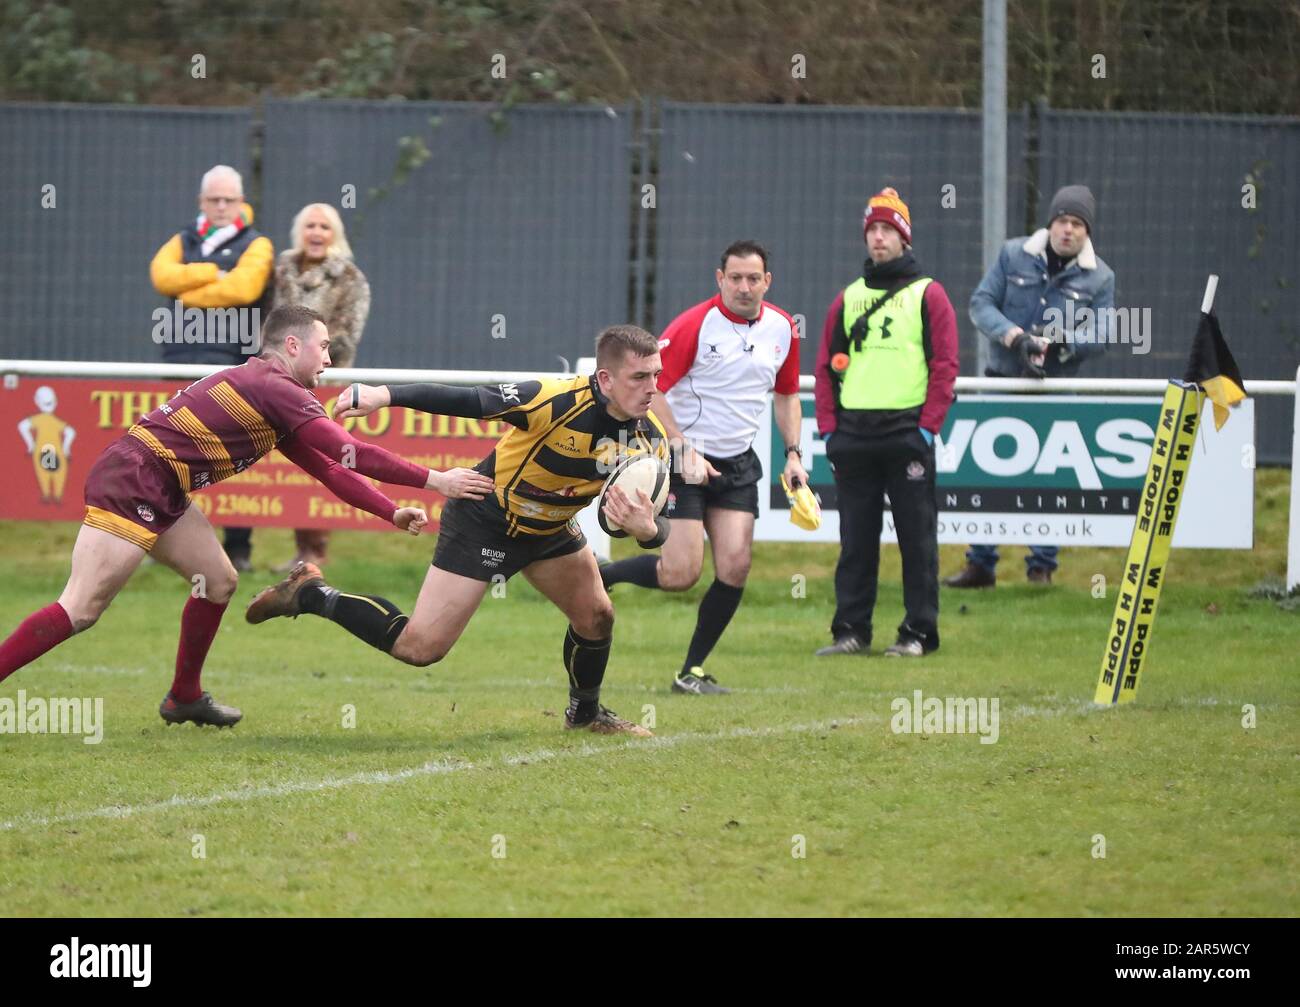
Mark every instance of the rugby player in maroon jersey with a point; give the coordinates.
(138, 497)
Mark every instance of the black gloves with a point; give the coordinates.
(1025, 347)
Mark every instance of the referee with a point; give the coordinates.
(721, 360)
(884, 381)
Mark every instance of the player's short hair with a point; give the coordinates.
(743, 249)
(288, 320)
(616, 341)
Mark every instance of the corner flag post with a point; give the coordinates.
(1165, 485)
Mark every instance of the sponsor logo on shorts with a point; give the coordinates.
(915, 471)
(492, 558)
(145, 512)
(671, 505)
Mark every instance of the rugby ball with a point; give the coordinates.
(636, 472)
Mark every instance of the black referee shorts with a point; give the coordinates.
(472, 541)
(735, 487)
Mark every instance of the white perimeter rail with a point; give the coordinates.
(383, 375)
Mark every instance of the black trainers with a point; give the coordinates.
(282, 598)
(696, 683)
(848, 643)
(606, 722)
(204, 710)
(906, 646)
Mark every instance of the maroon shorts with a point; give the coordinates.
(132, 494)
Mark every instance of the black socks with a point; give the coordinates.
(717, 607)
(643, 571)
(377, 621)
(585, 662)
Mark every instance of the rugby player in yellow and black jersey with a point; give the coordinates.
(565, 437)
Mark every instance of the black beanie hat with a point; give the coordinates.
(1076, 200)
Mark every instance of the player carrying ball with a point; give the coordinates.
(138, 497)
(566, 435)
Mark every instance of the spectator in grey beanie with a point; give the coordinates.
(1037, 281)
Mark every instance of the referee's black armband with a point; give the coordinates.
(444, 400)
(661, 536)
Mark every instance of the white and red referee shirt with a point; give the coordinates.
(719, 368)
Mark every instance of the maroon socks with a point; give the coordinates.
(41, 631)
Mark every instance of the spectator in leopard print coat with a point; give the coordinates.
(318, 272)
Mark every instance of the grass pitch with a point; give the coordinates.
(457, 792)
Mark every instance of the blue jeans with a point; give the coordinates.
(1041, 557)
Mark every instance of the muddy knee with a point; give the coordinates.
(599, 624)
(84, 613)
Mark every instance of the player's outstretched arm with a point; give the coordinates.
(461, 483)
(350, 487)
(443, 400)
(334, 442)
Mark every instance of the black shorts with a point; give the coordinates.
(735, 487)
(472, 541)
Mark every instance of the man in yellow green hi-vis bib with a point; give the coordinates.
(885, 375)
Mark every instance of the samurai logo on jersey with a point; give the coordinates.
(569, 445)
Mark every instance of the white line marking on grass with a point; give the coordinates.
(451, 685)
(381, 777)
(105, 669)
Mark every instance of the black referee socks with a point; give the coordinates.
(585, 662)
(643, 571)
(717, 607)
(377, 621)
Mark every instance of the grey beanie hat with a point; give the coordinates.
(1076, 200)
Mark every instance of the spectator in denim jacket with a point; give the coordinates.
(1028, 306)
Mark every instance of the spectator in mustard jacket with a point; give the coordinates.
(217, 262)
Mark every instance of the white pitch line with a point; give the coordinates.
(118, 811)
